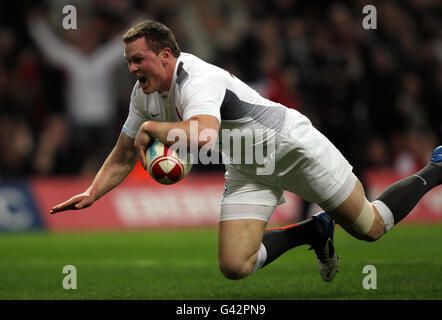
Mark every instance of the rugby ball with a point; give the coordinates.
(165, 165)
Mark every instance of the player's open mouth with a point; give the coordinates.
(142, 80)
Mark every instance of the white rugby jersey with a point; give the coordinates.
(200, 88)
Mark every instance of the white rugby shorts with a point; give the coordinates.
(306, 163)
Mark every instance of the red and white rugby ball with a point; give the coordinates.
(165, 164)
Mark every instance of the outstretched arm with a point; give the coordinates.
(117, 166)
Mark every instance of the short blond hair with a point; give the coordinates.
(157, 35)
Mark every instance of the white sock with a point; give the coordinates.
(385, 214)
(262, 257)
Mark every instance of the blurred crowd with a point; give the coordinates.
(376, 94)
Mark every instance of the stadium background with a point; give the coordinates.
(375, 93)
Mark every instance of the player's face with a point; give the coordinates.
(148, 67)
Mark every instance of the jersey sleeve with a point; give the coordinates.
(203, 96)
(136, 116)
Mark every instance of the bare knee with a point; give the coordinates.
(239, 243)
(376, 231)
(370, 238)
(367, 224)
(233, 269)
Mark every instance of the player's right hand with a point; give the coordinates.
(142, 141)
(77, 202)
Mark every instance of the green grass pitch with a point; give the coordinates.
(182, 264)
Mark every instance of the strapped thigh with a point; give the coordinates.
(365, 219)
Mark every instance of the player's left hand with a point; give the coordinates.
(142, 141)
